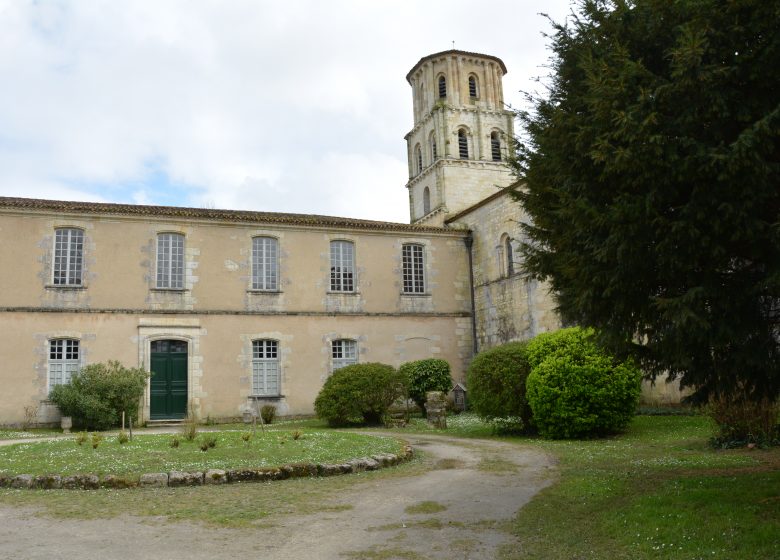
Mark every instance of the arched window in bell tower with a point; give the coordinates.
(463, 145)
(473, 90)
(418, 159)
(442, 87)
(495, 146)
(426, 201)
(432, 142)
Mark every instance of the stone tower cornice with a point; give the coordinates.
(454, 52)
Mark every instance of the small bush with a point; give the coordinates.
(210, 441)
(122, 437)
(743, 422)
(576, 389)
(174, 442)
(496, 382)
(80, 438)
(296, 435)
(98, 393)
(360, 393)
(96, 440)
(268, 413)
(246, 436)
(426, 375)
(189, 429)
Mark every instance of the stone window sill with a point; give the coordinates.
(269, 292)
(65, 287)
(169, 290)
(410, 294)
(266, 397)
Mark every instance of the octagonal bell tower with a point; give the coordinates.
(458, 146)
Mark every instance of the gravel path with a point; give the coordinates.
(477, 486)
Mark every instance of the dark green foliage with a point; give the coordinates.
(742, 422)
(496, 382)
(426, 375)
(98, 393)
(360, 393)
(652, 177)
(268, 413)
(575, 389)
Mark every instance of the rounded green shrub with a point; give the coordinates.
(576, 389)
(426, 375)
(359, 393)
(98, 393)
(496, 382)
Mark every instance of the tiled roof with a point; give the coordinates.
(481, 203)
(456, 52)
(242, 216)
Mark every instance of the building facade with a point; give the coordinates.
(231, 310)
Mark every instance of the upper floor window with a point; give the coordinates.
(510, 256)
(442, 87)
(64, 360)
(473, 91)
(170, 261)
(68, 256)
(413, 261)
(265, 367)
(342, 266)
(426, 200)
(265, 263)
(463, 144)
(418, 159)
(434, 153)
(495, 146)
(343, 353)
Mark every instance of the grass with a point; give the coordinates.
(658, 491)
(6, 434)
(425, 507)
(233, 505)
(152, 453)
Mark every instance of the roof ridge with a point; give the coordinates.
(207, 213)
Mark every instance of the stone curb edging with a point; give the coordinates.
(212, 476)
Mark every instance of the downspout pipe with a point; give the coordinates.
(469, 241)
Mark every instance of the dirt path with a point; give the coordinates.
(474, 488)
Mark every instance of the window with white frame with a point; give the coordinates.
(413, 261)
(68, 256)
(265, 263)
(343, 353)
(64, 360)
(170, 261)
(265, 367)
(342, 266)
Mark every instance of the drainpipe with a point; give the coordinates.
(469, 241)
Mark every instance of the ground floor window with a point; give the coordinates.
(343, 353)
(265, 367)
(64, 360)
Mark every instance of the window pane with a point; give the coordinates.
(170, 261)
(63, 361)
(463, 145)
(265, 367)
(342, 266)
(343, 353)
(265, 263)
(412, 257)
(68, 256)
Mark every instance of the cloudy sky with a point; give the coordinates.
(297, 106)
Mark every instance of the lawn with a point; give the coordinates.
(153, 453)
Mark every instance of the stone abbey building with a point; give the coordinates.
(230, 309)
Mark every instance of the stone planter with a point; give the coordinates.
(66, 423)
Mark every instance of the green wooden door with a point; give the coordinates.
(168, 384)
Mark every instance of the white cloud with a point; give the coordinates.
(299, 107)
